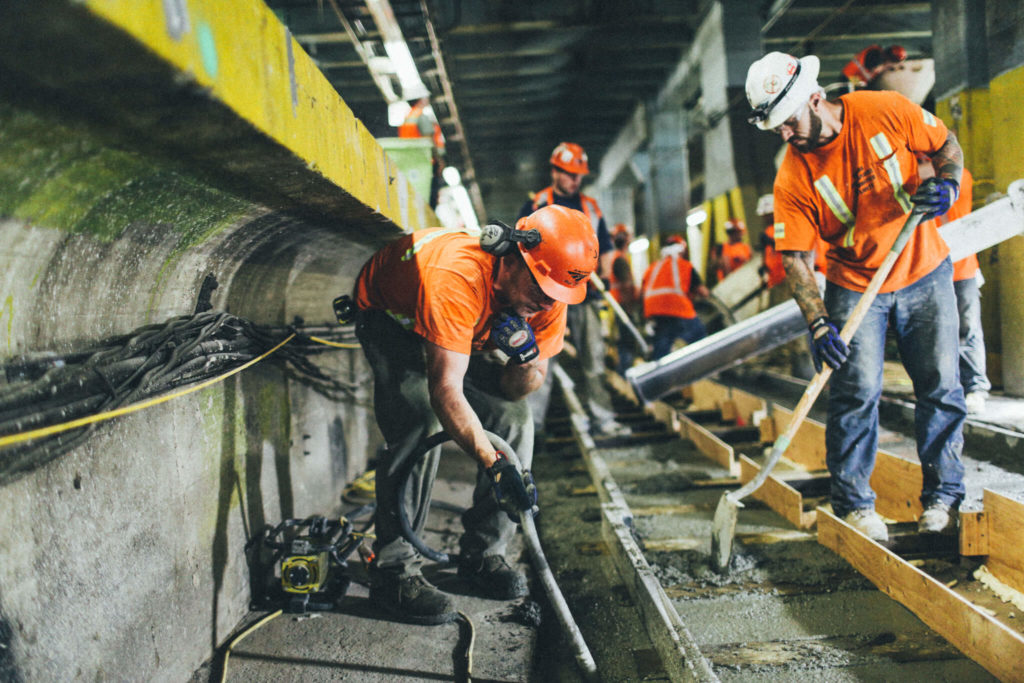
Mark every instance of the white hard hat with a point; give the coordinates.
(766, 205)
(777, 84)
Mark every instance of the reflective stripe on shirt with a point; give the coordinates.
(883, 150)
(835, 202)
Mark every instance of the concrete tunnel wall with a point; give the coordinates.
(124, 558)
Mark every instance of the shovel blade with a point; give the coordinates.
(723, 531)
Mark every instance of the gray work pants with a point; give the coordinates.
(401, 403)
(585, 333)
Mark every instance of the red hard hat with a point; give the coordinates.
(570, 157)
(566, 255)
(735, 224)
(675, 239)
(621, 229)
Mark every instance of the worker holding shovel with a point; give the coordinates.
(850, 177)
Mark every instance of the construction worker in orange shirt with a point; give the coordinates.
(735, 252)
(668, 288)
(967, 281)
(850, 176)
(432, 309)
(569, 165)
(624, 290)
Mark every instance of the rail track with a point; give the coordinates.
(807, 598)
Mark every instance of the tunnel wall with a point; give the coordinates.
(122, 190)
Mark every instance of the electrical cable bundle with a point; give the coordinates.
(50, 389)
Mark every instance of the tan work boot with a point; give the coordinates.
(867, 521)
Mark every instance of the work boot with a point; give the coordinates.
(937, 518)
(867, 521)
(410, 598)
(493, 575)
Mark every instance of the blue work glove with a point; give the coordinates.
(514, 337)
(936, 195)
(827, 347)
(514, 492)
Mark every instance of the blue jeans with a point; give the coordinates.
(972, 340)
(669, 328)
(924, 318)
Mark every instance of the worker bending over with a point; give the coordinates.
(431, 309)
(850, 175)
(668, 287)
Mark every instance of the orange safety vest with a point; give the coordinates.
(410, 128)
(666, 288)
(546, 197)
(621, 290)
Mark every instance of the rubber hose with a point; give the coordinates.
(403, 473)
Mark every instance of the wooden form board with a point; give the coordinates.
(1005, 539)
(981, 637)
(747, 406)
(710, 445)
(808, 445)
(707, 395)
(897, 483)
(778, 495)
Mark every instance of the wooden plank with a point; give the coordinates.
(708, 395)
(982, 638)
(621, 386)
(973, 533)
(710, 445)
(1005, 539)
(665, 414)
(778, 495)
(748, 406)
(897, 483)
(808, 444)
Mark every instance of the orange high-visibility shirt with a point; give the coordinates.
(623, 291)
(439, 284)
(734, 255)
(855, 192)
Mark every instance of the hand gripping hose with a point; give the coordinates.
(540, 563)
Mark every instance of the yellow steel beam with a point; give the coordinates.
(239, 55)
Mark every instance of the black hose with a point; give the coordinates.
(402, 483)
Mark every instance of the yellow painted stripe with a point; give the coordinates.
(244, 57)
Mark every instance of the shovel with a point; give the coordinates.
(723, 528)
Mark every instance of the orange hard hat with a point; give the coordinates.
(735, 224)
(570, 157)
(675, 239)
(566, 255)
(621, 229)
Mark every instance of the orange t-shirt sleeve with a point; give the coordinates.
(796, 220)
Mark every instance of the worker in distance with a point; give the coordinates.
(850, 176)
(432, 307)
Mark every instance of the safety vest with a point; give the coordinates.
(667, 287)
(546, 197)
(410, 127)
(621, 290)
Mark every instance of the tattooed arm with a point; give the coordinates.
(949, 160)
(799, 267)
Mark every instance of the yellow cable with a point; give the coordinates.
(237, 639)
(135, 407)
(469, 647)
(337, 344)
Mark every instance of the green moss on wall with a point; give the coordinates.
(64, 178)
